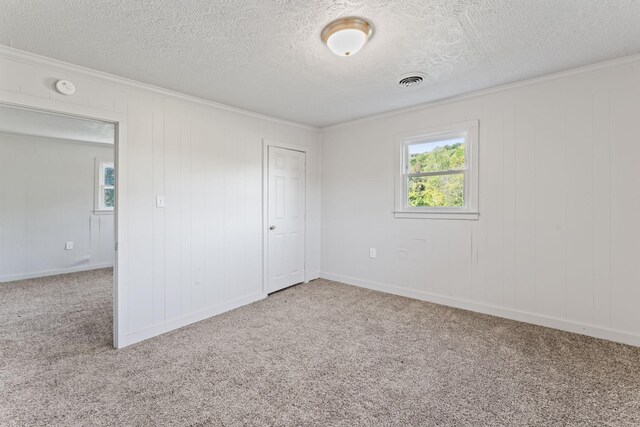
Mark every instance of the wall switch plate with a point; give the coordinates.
(160, 202)
(68, 246)
(372, 252)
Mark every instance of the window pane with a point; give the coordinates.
(436, 156)
(109, 198)
(109, 176)
(436, 191)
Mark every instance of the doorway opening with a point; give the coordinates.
(58, 189)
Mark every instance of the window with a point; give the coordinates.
(437, 175)
(105, 199)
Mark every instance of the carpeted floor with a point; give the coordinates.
(321, 354)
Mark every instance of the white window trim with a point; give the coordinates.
(98, 199)
(468, 130)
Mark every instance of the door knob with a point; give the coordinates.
(273, 227)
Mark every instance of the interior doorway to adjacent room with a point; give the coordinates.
(58, 191)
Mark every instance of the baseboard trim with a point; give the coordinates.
(171, 325)
(507, 313)
(55, 272)
(312, 276)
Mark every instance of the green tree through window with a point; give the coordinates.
(105, 200)
(109, 196)
(440, 190)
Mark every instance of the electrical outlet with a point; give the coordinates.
(68, 246)
(372, 252)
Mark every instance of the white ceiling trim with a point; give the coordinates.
(625, 60)
(55, 64)
(55, 138)
(26, 121)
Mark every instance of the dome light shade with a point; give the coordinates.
(346, 42)
(346, 36)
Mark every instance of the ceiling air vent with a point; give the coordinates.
(412, 80)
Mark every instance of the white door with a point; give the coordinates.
(286, 218)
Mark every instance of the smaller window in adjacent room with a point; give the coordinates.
(437, 174)
(105, 186)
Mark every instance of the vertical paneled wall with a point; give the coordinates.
(558, 239)
(47, 199)
(202, 253)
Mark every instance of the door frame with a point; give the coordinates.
(265, 206)
(19, 100)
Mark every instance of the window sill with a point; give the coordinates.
(469, 216)
(102, 212)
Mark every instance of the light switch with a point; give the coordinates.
(372, 252)
(160, 202)
(68, 246)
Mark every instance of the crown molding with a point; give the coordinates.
(50, 63)
(625, 60)
(57, 138)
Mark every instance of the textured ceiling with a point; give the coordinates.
(266, 56)
(31, 122)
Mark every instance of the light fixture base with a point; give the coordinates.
(349, 24)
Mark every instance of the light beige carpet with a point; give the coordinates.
(321, 354)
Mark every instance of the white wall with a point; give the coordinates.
(558, 239)
(202, 254)
(46, 199)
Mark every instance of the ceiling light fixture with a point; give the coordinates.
(346, 36)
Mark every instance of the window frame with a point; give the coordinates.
(98, 205)
(467, 130)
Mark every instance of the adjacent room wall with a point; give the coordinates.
(558, 239)
(46, 199)
(202, 254)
